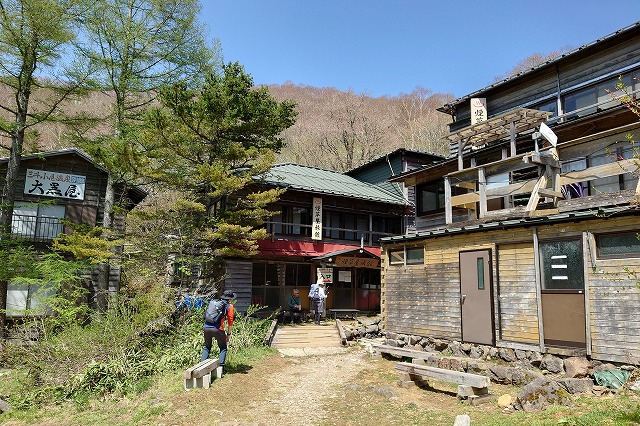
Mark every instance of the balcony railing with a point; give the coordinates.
(276, 229)
(34, 228)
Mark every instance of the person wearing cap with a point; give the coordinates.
(218, 331)
(318, 295)
(295, 307)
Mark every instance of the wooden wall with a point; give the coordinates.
(238, 280)
(516, 290)
(424, 299)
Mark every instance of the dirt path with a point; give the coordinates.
(280, 390)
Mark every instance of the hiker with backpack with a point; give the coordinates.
(317, 295)
(215, 315)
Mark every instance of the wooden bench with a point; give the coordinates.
(377, 348)
(344, 312)
(199, 376)
(472, 386)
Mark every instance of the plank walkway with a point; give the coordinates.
(307, 339)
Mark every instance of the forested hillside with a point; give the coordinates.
(334, 129)
(341, 130)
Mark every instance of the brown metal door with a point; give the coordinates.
(476, 299)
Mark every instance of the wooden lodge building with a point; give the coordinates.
(329, 220)
(522, 240)
(56, 185)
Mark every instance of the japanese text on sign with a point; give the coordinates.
(316, 226)
(326, 274)
(478, 110)
(357, 262)
(54, 184)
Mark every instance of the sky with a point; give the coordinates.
(387, 48)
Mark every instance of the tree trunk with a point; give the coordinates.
(104, 269)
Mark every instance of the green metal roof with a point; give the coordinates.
(311, 179)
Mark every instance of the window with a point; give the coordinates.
(33, 221)
(297, 274)
(431, 198)
(480, 271)
(415, 255)
(548, 106)
(616, 152)
(396, 257)
(291, 221)
(618, 245)
(21, 297)
(383, 226)
(265, 274)
(598, 96)
(561, 265)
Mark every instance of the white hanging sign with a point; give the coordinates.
(54, 184)
(316, 221)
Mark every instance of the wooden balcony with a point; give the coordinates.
(545, 187)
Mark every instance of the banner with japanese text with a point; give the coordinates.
(54, 184)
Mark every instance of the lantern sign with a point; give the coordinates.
(478, 110)
(316, 220)
(54, 184)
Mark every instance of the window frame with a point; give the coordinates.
(598, 239)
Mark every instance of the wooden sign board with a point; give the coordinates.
(357, 262)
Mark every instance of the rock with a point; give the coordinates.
(535, 358)
(501, 374)
(391, 335)
(600, 390)
(576, 386)
(478, 367)
(417, 347)
(462, 420)
(4, 406)
(391, 342)
(505, 401)
(493, 352)
(541, 393)
(635, 386)
(476, 352)
(414, 340)
(602, 367)
(455, 348)
(521, 355)
(507, 354)
(384, 391)
(452, 364)
(521, 377)
(551, 363)
(576, 367)
(439, 345)
(371, 329)
(466, 347)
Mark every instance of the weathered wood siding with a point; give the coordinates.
(517, 302)
(238, 280)
(615, 306)
(424, 299)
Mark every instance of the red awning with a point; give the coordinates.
(305, 248)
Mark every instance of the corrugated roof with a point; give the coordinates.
(311, 179)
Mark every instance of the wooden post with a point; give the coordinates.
(448, 209)
(482, 192)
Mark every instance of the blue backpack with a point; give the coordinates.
(215, 311)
